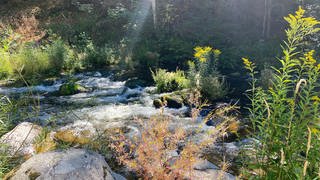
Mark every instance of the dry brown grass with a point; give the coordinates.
(150, 155)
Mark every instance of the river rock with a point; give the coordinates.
(217, 153)
(134, 83)
(172, 102)
(71, 88)
(157, 103)
(72, 164)
(205, 170)
(80, 132)
(20, 140)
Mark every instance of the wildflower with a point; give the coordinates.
(202, 53)
(191, 64)
(216, 52)
(300, 13)
(316, 99)
(315, 131)
(247, 63)
(309, 59)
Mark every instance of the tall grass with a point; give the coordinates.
(6, 124)
(286, 116)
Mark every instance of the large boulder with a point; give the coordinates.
(20, 140)
(72, 164)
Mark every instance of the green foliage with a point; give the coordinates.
(204, 73)
(7, 41)
(32, 63)
(92, 56)
(170, 81)
(286, 117)
(58, 55)
(6, 124)
(5, 66)
(70, 88)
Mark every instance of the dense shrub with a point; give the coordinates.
(170, 81)
(285, 117)
(204, 74)
(89, 55)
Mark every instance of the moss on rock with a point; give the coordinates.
(70, 136)
(70, 89)
(157, 103)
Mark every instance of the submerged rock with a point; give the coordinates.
(72, 164)
(20, 140)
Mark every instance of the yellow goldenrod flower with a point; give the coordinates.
(315, 131)
(309, 59)
(216, 52)
(316, 99)
(247, 63)
(300, 13)
(202, 53)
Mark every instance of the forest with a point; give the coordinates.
(159, 90)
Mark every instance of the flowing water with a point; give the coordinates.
(107, 104)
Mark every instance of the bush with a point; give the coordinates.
(214, 87)
(204, 74)
(170, 81)
(58, 54)
(99, 57)
(285, 117)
